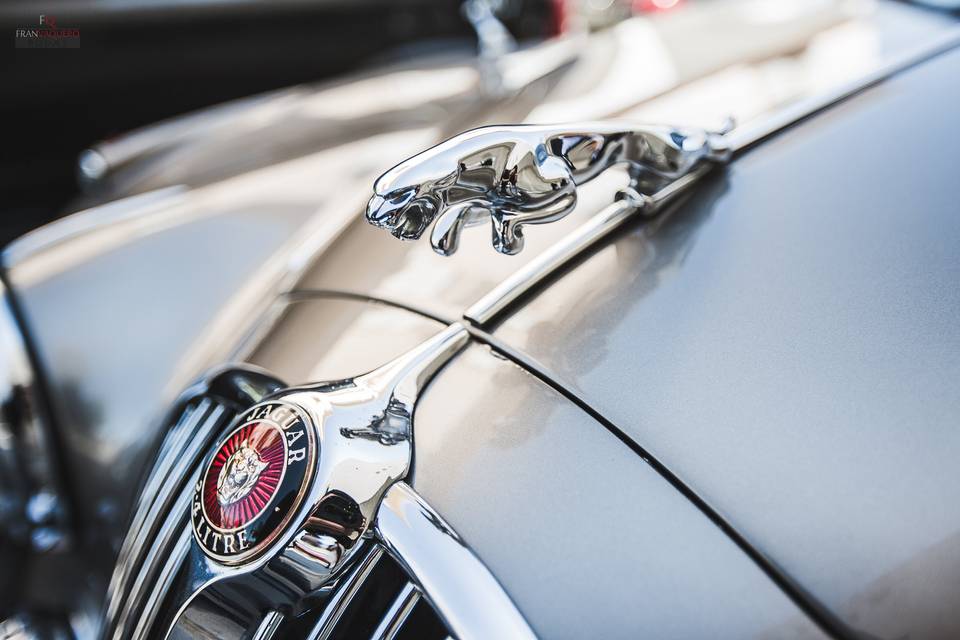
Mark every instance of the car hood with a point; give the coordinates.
(781, 342)
(787, 343)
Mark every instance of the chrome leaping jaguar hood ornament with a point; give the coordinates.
(524, 174)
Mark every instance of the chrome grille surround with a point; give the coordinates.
(426, 581)
(158, 538)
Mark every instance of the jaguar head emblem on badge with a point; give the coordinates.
(292, 488)
(240, 474)
(254, 482)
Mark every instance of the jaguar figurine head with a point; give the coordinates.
(402, 212)
(239, 475)
(504, 174)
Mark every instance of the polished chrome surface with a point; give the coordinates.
(182, 446)
(156, 545)
(171, 563)
(341, 597)
(365, 433)
(566, 250)
(89, 303)
(763, 65)
(111, 310)
(462, 590)
(526, 279)
(397, 614)
(268, 626)
(91, 289)
(552, 260)
(158, 537)
(364, 430)
(524, 174)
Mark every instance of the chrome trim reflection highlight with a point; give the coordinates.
(461, 589)
(158, 539)
(364, 428)
(397, 614)
(628, 203)
(539, 270)
(341, 597)
(268, 626)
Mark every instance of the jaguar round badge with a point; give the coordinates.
(254, 482)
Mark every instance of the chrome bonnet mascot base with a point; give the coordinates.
(523, 174)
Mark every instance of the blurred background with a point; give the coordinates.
(144, 61)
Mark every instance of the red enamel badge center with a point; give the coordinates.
(244, 475)
(254, 482)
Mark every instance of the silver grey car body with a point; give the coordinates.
(735, 420)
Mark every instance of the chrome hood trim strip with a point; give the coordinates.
(743, 138)
(540, 270)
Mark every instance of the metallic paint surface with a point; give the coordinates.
(410, 272)
(588, 540)
(98, 321)
(786, 343)
(135, 302)
(325, 337)
(364, 427)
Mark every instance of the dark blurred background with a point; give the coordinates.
(143, 61)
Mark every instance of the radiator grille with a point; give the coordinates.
(374, 598)
(159, 535)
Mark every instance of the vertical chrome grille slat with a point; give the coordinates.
(188, 423)
(162, 585)
(155, 545)
(341, 598)
(461, 589)
(172, 446)
(269, 626)
(397, 614)
(160, 557)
